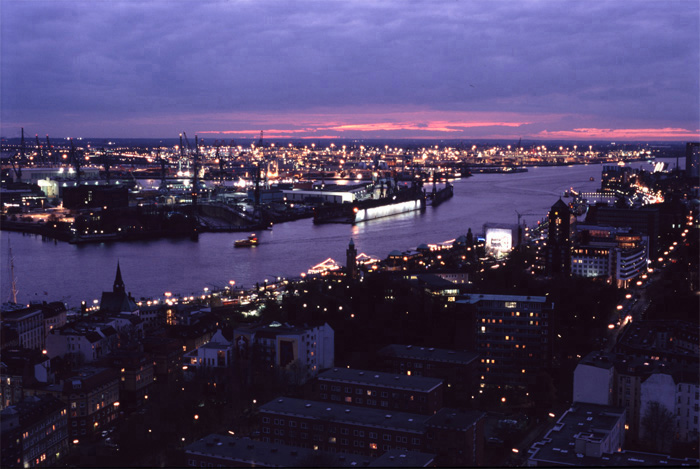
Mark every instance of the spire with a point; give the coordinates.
(352, 243)
(118, 282)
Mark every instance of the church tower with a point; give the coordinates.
(118, 282)
(351, 260)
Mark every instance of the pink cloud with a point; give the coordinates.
(433, 126)
(358, 121)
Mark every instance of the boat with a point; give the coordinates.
(252, 240)
(592, 178)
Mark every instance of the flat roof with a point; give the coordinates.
(401, 458)
(456, 419)
(267, 454)
(428, 354)
(348, 414)
(592, 421)
(476, 297)
(378, 378)
(245, 450)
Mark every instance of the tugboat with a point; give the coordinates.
(245, 243)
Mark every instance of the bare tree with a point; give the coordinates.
(657, 426)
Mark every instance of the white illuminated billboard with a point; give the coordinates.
(499, 241)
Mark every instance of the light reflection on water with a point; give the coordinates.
(75, 273)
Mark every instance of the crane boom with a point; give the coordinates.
(75, 161)
(39, 151)
(48, 150)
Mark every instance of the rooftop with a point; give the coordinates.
(667, 337)
(455, 419)
(401, 458)
(596, 422)
(428, 354)
(475, 298)
(266, 454)
(345, 414)
(376, 378)
(590, 422)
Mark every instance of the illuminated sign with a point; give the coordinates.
(499, 241)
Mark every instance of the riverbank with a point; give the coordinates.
(151, 267)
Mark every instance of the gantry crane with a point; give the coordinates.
(39, 152)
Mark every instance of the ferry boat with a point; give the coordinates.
(252, 240)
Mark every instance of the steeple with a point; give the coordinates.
(118, 282)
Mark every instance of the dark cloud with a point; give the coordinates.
(626, 63)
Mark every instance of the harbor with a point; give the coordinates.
(57, 270)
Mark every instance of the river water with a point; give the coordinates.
(50, 271)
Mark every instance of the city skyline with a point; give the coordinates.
(463, 70)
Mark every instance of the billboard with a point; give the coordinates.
(499, 241)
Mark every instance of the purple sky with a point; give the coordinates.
(609, 70)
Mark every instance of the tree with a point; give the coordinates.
(657, 426)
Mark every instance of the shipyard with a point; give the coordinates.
(349, 234)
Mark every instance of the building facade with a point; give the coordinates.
(387, 391)
(339, 428)
(311, 348)
(34, 433)
(92, 395)
(29, 325)
(512, 337)
(457, 369)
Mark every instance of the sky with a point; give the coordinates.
(615, 70)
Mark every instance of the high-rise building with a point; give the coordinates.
(512, 336)
(561, 237)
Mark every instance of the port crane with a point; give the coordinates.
(18, 169)
(39, 151)
(75, 161)
(48, 151)
(163, 176)
(221, 161)
(107, 164)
